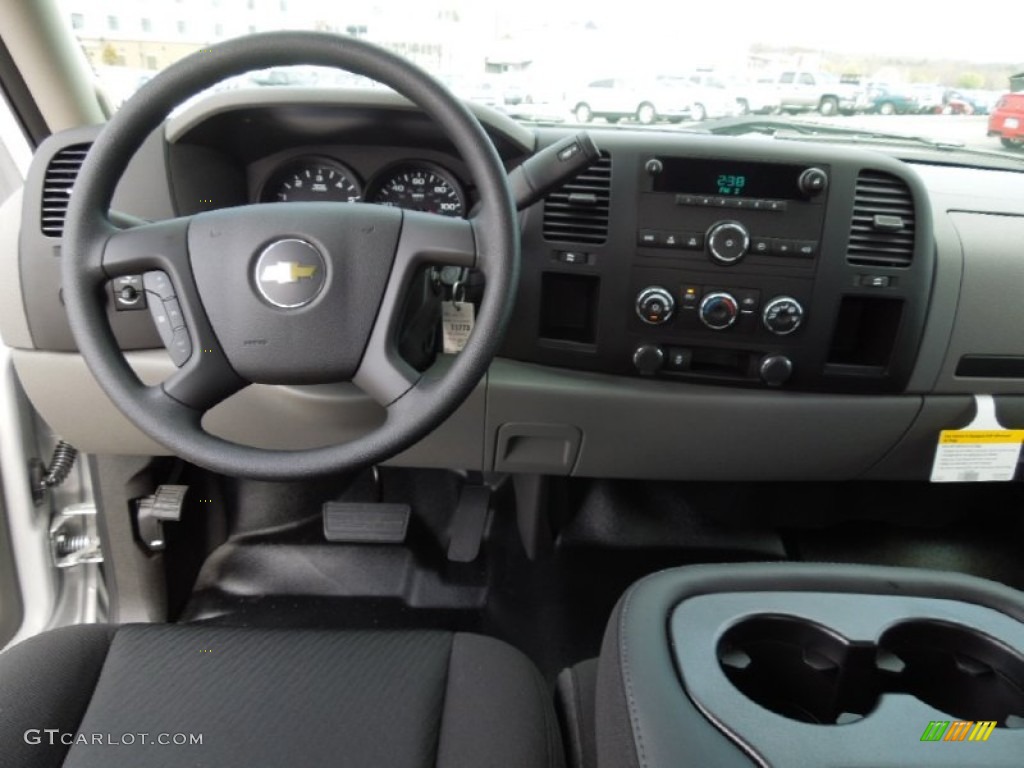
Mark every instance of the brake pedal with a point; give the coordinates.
(365, 523)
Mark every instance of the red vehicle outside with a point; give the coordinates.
(1007, 121)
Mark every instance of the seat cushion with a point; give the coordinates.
(260, 697)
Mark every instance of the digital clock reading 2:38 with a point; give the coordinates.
(731, 184)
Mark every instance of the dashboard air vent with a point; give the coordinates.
(577, 212)
(60, 177)
(882, 231)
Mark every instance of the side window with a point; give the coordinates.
(15, 154)
(601, 84)
(806, 78)
(787, 78)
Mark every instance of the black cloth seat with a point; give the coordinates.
(279, 698)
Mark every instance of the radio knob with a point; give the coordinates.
(655, 305)
(782, 315)
(648, 359)
(728, 242)
(718, 310)
(813, 182)
(775, 370)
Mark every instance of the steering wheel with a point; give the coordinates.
(296, 293)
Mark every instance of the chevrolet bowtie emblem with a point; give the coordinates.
(284, 272)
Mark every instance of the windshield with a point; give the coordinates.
(873, 68)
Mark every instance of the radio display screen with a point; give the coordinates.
(699, 176)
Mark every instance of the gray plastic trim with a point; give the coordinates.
(654, 429)
(13, 322)
(990, 314)
(949, 270)
(63, 390)
(245, 98)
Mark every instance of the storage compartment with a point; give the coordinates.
(865, 332)
(569, 307)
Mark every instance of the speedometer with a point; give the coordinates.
(313, 180)
(419, 187)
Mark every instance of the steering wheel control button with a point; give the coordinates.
(728, 242)
(159, 284)
(290, 273)
(718, 310)
(655, 305)
(648, 359)
(783, 315)
(775, 370)
(180, 347)
(129, 293)
(813, 182)
(158, 311)
(174, 316)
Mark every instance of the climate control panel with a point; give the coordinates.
(719, 309)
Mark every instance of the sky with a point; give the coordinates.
(992, 33)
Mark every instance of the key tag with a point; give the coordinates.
(983, 451)
(457, 320)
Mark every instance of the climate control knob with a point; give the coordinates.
(718, 310)
(782, 315)
(655, 305)
(728, 242)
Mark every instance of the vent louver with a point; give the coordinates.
(882, 230)
(57, 183)
(577, 212)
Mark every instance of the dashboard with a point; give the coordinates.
(690, 306)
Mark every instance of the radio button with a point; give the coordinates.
(784, 247)
(777, 205)
(672, 239)
(686, 200)
(648, 237)
(807, 248)
(760, 245)
(728, 242)
(693, 241)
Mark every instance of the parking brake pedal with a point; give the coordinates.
(153, 511)
(365, 523)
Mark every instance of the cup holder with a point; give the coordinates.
(800, 669)
(958, 670)
(804, 671)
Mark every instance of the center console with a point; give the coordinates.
(755, 265)
(788, 664)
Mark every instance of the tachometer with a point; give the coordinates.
(313, 180)
(419, 187)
